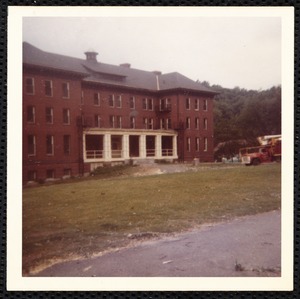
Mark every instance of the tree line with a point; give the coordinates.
(241, 115)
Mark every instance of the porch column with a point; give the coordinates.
(158, 151)
(143, 146)
(125, 146)
(175, 146)
(107, 147)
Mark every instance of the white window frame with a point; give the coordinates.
(150, 106)
(188, 144)
(188, 104)
(67, 153)
(51, 88)
(197, 104)
(205, 123)
(205, 144)
(168, 123)
(132, 100)
(205, 108)
(132, 122)
(33, 114)
(150, 123)
(96, 99)
(67, 115)
(188, 122)
(119, 122)
(162, 123)
(52, 145)
(97, 119)
(51, 114)
(161, 102)
(197, 144)
(31, 86)
(68, 90)
(53, 173)
(112, 121)
(145, 122)
(144, 103)
(118, 101)
(33, 146)
(111, 100)
(197, 123)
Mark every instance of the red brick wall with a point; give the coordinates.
(78, 106)
(40, 129)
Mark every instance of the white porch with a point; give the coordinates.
(103, 145)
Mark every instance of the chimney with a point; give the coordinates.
(91, 55)
(157, 73)
(125, 65)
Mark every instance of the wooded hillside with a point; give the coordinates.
(241, 115)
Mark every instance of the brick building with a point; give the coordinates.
(79, 114)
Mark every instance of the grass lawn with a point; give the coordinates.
(78, 219)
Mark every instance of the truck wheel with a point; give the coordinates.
(255, 162)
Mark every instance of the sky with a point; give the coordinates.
(242, 52)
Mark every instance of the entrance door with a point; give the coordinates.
(134, 146)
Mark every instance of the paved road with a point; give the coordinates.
(246, 246)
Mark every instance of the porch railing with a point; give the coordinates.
(167, 152)
(94, 154)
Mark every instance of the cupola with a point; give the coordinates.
(91, 55)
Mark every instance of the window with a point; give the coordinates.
(67, 172)
(196, 123)
(96, 99)
(145, 122)
(150, 104)
(132, 102)
(49, 145)
(188, 122)
(132, 122)
(66, 116)
(29, 85)
(31, 114)
(187, 104)
(112, 121)
(50, 174)
(119, 101)
(205, 105)
(111, 100)
(65, 90)
(49, 115)
(144, 104)
(119, 122)
(150, 123)
(97, 120)
(205, 123)
(31, 175)
(161, 104)
(48, 88)
(168, 124)
(196, 104)
(205, 144)
(67, 144)
(188, 144)
(197, 143)
(31, 145)
(165, 104)
(162, 123)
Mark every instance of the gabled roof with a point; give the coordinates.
(97, 72)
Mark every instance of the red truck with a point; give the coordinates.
(268, 151)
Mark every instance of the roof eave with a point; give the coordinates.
(53, 69)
